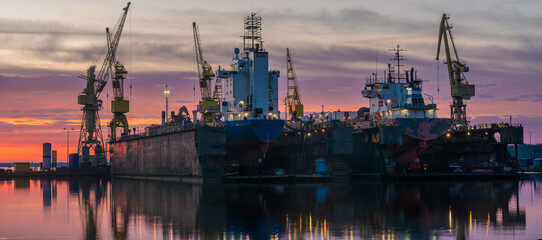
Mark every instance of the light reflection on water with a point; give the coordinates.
(128, 209)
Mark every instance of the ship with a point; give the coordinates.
(388, 136)
(397, 107)
(399, 135)
(250, 103)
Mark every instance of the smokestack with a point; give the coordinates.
(411, 74)
(163, 117)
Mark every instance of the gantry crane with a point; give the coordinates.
(91, 132)
(295, 107)
(208, 106)
(460, 88)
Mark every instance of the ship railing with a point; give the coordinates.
(492, 126)
(373, 80)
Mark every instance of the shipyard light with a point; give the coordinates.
(448, 135)
(468, 133)
(309, 134)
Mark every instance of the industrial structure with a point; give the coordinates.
(119, 106)
(250, 107)
(295, 107)
(241, 133)
(209, 105)
(460, 88)
(90, 136)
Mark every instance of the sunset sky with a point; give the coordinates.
(335, 45)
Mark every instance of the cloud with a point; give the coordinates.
(534, 97)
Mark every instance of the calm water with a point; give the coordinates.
(129, 209)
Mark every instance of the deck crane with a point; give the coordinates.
(460, 88)
(295, 107)
(208, 106)
(90, 136)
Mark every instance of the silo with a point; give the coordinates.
(47, 156)
(74, 161)
(86, 154)
(54, 159)
(98, 155)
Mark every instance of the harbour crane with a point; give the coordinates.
(119, 106)
(295, 107)
(90, 136)
(459, 86)
(209, 105)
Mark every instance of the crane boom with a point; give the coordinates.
(295, 107)
(106, 69)
(459, 87)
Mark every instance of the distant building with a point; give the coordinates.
(22, 167)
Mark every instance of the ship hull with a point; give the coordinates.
(417, 134)
(248, 144)
(424, 129)
(256, 130)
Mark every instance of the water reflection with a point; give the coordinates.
(371, 210)
(94, 208)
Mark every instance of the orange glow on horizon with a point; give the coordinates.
(27, 121)
(23, 153)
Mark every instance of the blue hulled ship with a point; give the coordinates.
(250, 92)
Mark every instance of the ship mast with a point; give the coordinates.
(397, 57)
(252, 39)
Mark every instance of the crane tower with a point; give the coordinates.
(460, 88)
(209, 105)
(295, 107)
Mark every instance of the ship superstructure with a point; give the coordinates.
(250, 108)
(398, 101)
(250, 89)
(397, 97)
